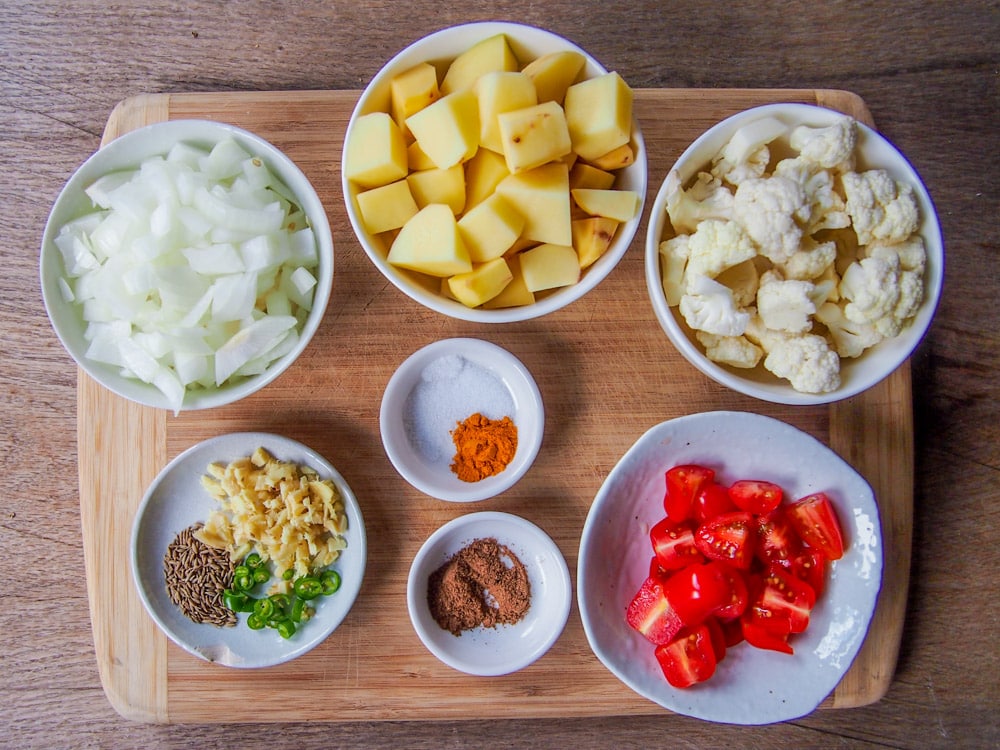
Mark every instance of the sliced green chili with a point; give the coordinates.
(263, 608)
(330, 579)
(253, 561)
(243, 578)
(288, 574)
(286, 628)
(261, 575)
(255, 621)
(308, 587)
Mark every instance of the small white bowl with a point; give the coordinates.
(528, 42)
(176, 500)
(857, 375)
(440, 385)
(503, 649)
(750, 685)
(128, 152)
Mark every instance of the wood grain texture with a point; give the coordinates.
(370, 328)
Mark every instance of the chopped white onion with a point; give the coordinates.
(192, 270)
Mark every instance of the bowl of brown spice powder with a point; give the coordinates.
(489, 593)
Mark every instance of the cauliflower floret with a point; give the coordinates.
(673, 260)
(811, 262)
(743, 280)
(850, 338)
(735, 351)
(830, 147)
(709, 306)
(753, 165)
(911, 253)
(705, 199)
(880, 207)
(716, 246)
(785, 304)
(826, 208)
(770, 209)
(807, 362)
(871, 287)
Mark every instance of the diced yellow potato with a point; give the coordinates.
(554, 72)
(430, 243)
(515, 294)
(521, 244)
(445, 186)
(376, 151)
(497, 92)
(533, 136)
(411, 91)
(417, 159)
(490, 54)
(484, 282)
(620, 205)
(483, 173)
(448, 129)
(489, 229)
(592, 237)
(387, 207)
(617, 158)
(599, 115)
(549, 266)
(541, 196)
(588, 176)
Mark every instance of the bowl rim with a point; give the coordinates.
(779, 391)
(120, 154)
(555, 300)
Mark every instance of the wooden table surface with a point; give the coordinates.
(927, 71)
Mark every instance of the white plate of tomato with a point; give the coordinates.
(729, 568)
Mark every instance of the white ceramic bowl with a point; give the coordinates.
(127, 152)
(750, 685)
(440, 385)
(176, 500)
(857, 375)
(505, 648)
(528, 43)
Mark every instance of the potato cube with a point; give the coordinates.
(592, 237)
(541, 196)
(534, 136)
(485, 281)
(588, 176)
(483, 173)
(489, 229)
(553, 73)
(411, 91)
(497, 92)
(620, 205)
(448, 129)
(445, 186)
(417, 159)
(387, 207)
(515, 293)
(376, 151)
(490, 54)
(599, 115)
(549, 266)
(616, 158)
(430, 243)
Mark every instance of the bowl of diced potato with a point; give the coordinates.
(793, 254)
(494, 172)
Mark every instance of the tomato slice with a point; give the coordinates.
(785, 597)
(697, 591)
(684, 482)
(777, 540)
(738, 595)
(674, 545)
(717, 636)
(712, 501)
(729, 537)
(689, 659)
(810, 566)
(651, 613)
(814, 518)
(762, 637)
(756, 495)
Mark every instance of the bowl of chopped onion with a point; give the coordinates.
(186, 264)
(793, 254)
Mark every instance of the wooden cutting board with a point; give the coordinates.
(607, 373)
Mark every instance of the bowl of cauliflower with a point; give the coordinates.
(793, 254)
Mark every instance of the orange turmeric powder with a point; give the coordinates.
(483, 447)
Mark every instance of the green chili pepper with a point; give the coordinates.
(330, 579)
(261, 575)
(308, 587)
(285, 628)
(263, 608)
(253, 561)
(280, 602)
(237, 601)
(298, 609)
(243, 579)
(255, 621)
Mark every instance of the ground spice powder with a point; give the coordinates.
(483, 584)
(483, 447)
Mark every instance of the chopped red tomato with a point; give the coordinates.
(810, 566)
(738, 595)
(688, 659)
(785, 597)
(729, 537)
(777, 541)
(762, 637)
(814, 518)
(732, 631)
(712, 501)
(651, 614)
(755, 495)
(683, 485)
(698, 591)
(718, 637)
(674, 545)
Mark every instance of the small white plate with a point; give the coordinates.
(505, 648)
(750, 686)
(175, 500)
(461, 376)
